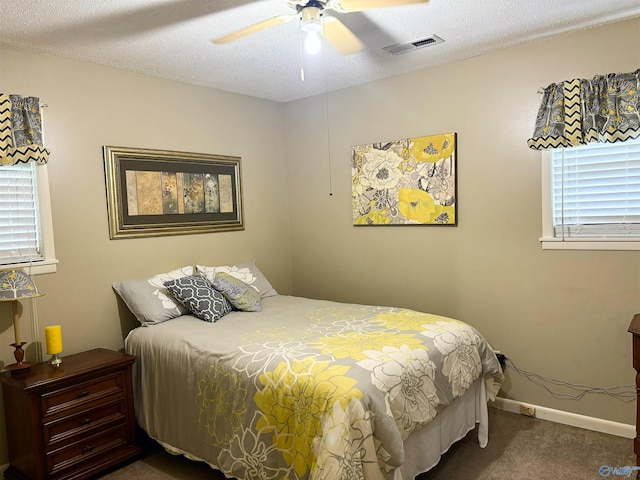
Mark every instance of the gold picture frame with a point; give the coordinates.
(162, 192)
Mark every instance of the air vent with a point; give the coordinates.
(414, 45)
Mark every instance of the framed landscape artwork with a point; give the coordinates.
(405, 182)
(160, 192)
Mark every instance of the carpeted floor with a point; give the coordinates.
(520, 448)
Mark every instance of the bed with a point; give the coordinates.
(308, 388)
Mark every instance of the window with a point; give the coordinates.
(26, 233)
(591, 197)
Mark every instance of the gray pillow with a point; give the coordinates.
(197, 294)
(149, 300)
(239, 294)
(248, 272)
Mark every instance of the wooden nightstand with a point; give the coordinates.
(634, 329)
(70, 422)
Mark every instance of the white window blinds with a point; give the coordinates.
(20, 238)
(596, 191)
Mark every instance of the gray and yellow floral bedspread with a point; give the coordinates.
(305, 388)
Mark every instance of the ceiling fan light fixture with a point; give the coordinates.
(311, 19)
(312, 42)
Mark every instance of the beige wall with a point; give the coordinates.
(562, 314)
(90, 106)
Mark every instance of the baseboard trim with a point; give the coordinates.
(568, 418)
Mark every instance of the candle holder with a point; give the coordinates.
(55, 361)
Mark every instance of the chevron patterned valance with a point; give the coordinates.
(21, 131)
(576, 112)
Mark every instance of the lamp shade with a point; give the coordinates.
(16, 284)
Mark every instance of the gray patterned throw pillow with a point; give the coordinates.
(240, 295)
(247, 272)
(196, 294)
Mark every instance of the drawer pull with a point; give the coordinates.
(87, 448)
(86, 421)
(83, 393)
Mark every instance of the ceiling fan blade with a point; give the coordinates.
(360, 5)
(271, 22)
(340, 37)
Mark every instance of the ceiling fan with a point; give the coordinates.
(312, 19)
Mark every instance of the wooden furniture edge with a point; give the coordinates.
(634, 329)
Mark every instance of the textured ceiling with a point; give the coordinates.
(171, 38)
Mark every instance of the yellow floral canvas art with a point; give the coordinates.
(405, 182)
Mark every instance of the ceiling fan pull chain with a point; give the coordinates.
(301, 51)
(326, 93)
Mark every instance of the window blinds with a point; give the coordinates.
(596, 190)
(20, 239)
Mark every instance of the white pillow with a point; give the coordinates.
(148, 298)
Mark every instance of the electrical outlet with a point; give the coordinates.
(528, 411)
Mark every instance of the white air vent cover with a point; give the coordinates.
(414, 45)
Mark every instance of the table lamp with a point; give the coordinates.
(14, 285)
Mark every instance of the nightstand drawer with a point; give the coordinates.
(84, 450)
(82, 394)
(85, 422)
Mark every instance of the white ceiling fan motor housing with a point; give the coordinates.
(311, 19)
